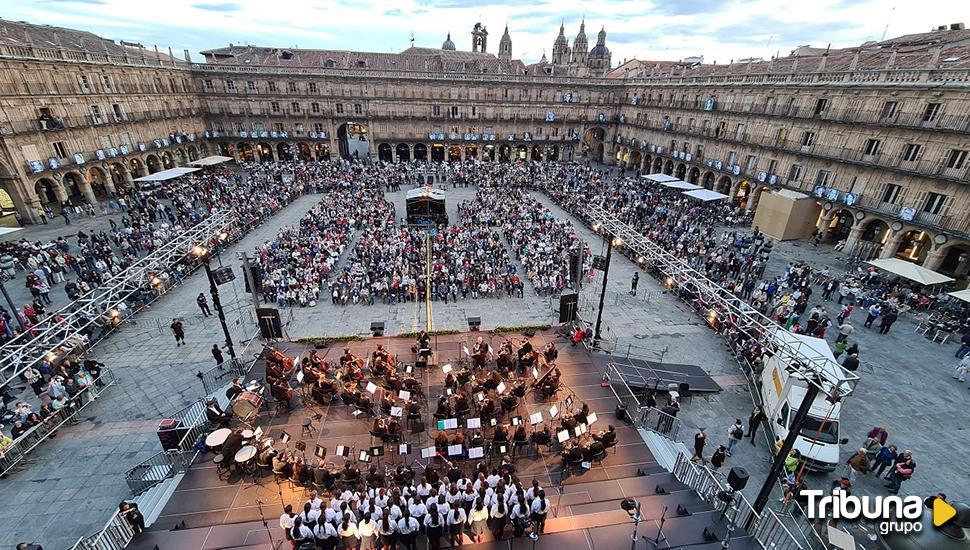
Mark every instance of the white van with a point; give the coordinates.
(782, 392)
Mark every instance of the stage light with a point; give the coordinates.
(156, 281)
(617, 242)
(223, 236)
(641, 260)
(113, 312)
(199, 251)
(597, 226)
(669, 283)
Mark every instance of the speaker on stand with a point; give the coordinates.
(270, 326)
(568, 307)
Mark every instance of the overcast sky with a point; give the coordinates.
(655, 30)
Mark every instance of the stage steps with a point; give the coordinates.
(663, 449)
(152, 501)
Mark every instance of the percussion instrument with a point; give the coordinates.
(217, 438)
(247, 404)
(245, 454)
(247, 434)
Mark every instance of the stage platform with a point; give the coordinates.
(212, 513)
(641, 373)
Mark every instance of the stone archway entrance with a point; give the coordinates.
(593, 143)
(384, 153)
(420, 152)
(403, 152)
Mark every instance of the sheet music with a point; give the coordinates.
(364, 456)
(586, 465)
(404, 394)
(427, 452)
(516, 420)
(590, 418)
(342, 451)
(535, 373)
(397, 411)
(500, 388)
(474, 423)
(553, 411)
(454, 450)
(299, 377)
(464, 348)
(535, 418)
(258, 433)
(563, 436)
(476, 452)
(451, 424)
(446, 368)
(403, 449)
(371, 387)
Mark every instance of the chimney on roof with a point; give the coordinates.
(188, 57)
(956, 27)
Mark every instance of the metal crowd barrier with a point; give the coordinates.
(18, 450)
(115, 535)
(158, 468)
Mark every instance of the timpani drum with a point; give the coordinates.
(247, 404)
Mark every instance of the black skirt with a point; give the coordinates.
(389, 540)
(456, 529)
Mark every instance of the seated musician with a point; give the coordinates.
(520, 434)
(572, 454)
(504, 360)
(235, 389)
(280, 465)
(322, 475)
(393, 427)
(380, 367)
(282, 394)
(233, 443)
(581, 415)
(459, 439)
(494, 379)
(381, 353)
(412, 384)
(477, 439)
(414, 409)
(386, 403)
(441, 442)
(463, 376)
(501, 433)
(527, 356)
(347, 357)
(509, 402)
(593, 449)
(569, 423)
(266, 456)
(451, 381)
(550, 353)
(550, 384)
(316, 362)
(444, 407)
(350, 473)
(607, 437)
(300, 473)
(518, 389)
(375, 478)
(487, 409)
(423, 343)
(479, 353)
(394, 382)
(364, 403)
(215, 414)
(349, 394)
(379, 429)
(543, 436)
(461, 404)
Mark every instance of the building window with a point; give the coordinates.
(292, 87)
(118, 112)
(911, 152)
(751, 163)
(96, 114)
(318, 127)
(59, 150)
(933, 111)
(889, 110)
(315, 107)
(474, 111)
(250, 85)
(872, 146)
(823, 177)
(892, 193)
(208, 86)
(230, 86)
(956, 159)
(732, 157)
(106, 82)
(934, 203)
(279, 127)
(772, 166)
(436, 110)
(808, 139)
(85, 83)
(272, 86)
(274, 107)
(294, 107)
(690, 124)
(454, 111)
(820, 106)
(313, 87)
(340, 108)
(795, 173)
(358, 109)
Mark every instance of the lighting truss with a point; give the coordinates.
(815, 368)
(66, 327)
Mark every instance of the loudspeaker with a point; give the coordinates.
(377, 328)
(568, 304)
(599, 262)
(223, 275)
(529, 332)
(621, 412)
(269, 322)
(255, 272)
(737, 478)
(575, 266)
(320, 344)
(474, 323)
(170, 433)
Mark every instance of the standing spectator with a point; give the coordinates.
(700, 439)
(905, 466)
(887, 321)
(845, 330)
(874, 311)
(851, 362)
(129, 511)
(964, 346)
(203, 304)
(857, 463)
(634, 283)
(757, 417)
(962, 367)
(735, 434)
(717, 459)
(886, 458)
(217, 354)
(178, 330)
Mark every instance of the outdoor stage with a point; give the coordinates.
(586, 514)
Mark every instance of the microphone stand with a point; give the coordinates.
(259, 504)
(660, 532)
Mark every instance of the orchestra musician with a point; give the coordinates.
(527, 356)
(351, 365)
(423, 346)
(479, 353)
(543, 436)
(504, 360)
(550, 353)
(235, 389)
(606, 437)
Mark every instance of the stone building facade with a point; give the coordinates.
(880, 132)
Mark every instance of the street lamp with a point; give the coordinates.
(202, 253)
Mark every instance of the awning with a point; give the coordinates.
(961, 294)
(171, 173)
(705, 195)
(677, 184)
(911, 271)
(210, 161)
(660, 178)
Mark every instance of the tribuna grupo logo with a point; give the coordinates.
(895, 514)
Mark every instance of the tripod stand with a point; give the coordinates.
(259, 504)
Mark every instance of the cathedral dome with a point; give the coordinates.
(448, 44)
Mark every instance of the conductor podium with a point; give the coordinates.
(426, 206)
